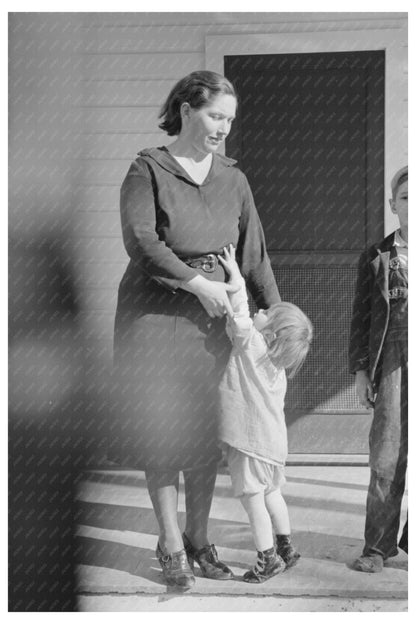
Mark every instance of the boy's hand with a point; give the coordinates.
(364, 389)
(230, 264)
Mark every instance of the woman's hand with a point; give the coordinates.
(364, 389)
(212, 295)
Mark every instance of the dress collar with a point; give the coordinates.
(162, 156)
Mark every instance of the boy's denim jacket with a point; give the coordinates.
(371, 307)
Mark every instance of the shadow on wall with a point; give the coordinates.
(46, 385)
(48, 437)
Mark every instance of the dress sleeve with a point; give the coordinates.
(361, 316)
(252, 255)
(138, 221)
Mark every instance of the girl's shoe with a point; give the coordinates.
(176, 569)
(269, 563)
(285, 549)
(207, 559)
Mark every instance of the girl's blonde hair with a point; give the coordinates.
(288, 334)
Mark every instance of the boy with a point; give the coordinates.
(378, 356)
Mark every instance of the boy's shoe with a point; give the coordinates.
(268, 564)
(285, 549)
(371, 564)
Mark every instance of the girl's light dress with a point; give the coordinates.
(252, 427)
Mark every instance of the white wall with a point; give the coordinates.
(116, 69)
(84, 94)
(130, 61)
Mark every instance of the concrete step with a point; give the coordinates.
(117, 534)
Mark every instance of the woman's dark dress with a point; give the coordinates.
(169, 354)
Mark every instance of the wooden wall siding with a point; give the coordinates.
(238, 21)
(95, 277)
(96, 170)
(96, 224)
(120, 119)
(101, 198)
(102, 250)
(175, 38)
(117, 145)
(128, 92)
(129, 64)
(119, 66)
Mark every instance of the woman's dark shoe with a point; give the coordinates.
(207, 559)
(176, 569)
(269, 563)
(285, 549)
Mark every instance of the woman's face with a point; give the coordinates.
(207, 127)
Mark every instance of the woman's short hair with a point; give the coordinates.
(198, 89)
(288, 334)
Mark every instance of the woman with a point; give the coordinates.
(180, 206)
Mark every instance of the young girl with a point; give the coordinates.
(252, 429)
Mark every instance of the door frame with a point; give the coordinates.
(393, 41)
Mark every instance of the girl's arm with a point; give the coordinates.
(238, 292)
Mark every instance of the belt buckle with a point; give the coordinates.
(210, 264)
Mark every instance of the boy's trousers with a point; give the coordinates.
(388, 453)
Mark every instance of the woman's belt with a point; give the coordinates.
(208, 263)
